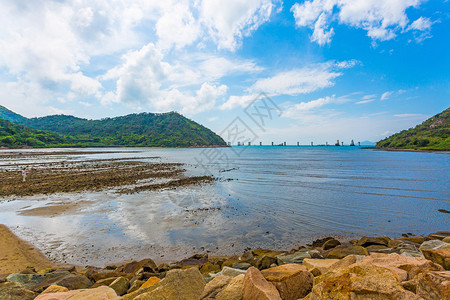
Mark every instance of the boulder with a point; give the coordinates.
(265, 262)
(446, 239)
(433, 285)
(233, 291)
(226, 271)
(209, 268)
(73, 282)
(360, 282)
(30, 280)
(105, 282)
(406, 268)
(323, 265)
(103, 275)
(319, 242)
(438, 256)
(215, 286)
(257, 287)
(135, 285)
(55, 289)
(435, 244)
(101, 292)
(368, 241)
(15, 291)
(191, 262)
(151, 281)
(415, 239)
(440, 235)
(292, 281)
(294, 258)
(134, 266)
(343, 251)
(330, 244)
(120, 285)
(178, 284)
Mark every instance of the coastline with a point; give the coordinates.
(407, 150)
(397, 268)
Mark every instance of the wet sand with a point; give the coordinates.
(16, 254)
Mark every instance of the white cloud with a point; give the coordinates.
(421, 24)
(229, 21)
(367, 97)
(300, 81)
(409, 115)
(297, 110)
(235, 101)
(382, 19)
(365, 101)
(386, 95)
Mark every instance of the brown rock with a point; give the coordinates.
(438, 256)
(257, 287)
(292, 281)
(151, 281)
(100, 293)
(103, 275)
(55, 289)
(319, 242)
(268, 252)
(209, 268)
(360, 282)
(367, 241)
(215, 286)
(415, 239)
(74, 282)
(330, 244)
(134, 266)
(104, 282)
(440, 235)
(135, 285)
(178, 284)
(343, 251)
(233, 291)
(120, 285)
(265, 262)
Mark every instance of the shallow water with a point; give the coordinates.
(274, 197)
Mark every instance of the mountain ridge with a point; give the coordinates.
(135, 130)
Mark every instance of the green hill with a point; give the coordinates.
(13, 135)
(11, 116)
(433, 134)
(135, 130)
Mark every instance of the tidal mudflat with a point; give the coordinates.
(90, 206)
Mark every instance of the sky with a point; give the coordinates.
(331, 69)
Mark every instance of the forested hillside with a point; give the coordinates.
(433, 134)
(135, 130)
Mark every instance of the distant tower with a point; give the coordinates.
(298, 143)
(260, 143)
(342, 143)
(359, 144)
(285, 143)
(326, 143)
(352, 143)
(312, 144)
(249, 143)
(239, 143)
(272, 143)
(337, 143)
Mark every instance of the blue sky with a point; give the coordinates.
(337, 69)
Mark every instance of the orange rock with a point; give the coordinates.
(257, 287)
(292, 281)
(151, 281)
(439, 256)
(102, 292)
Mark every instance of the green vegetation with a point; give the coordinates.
(433, 134)
(136, 130)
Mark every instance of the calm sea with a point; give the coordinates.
(272, 197)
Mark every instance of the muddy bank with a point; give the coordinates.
(127, 175)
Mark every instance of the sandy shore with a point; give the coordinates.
(16, 254)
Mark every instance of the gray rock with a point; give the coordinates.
(74, 282)
(434, 244)
(30, 280)
(227, 271)
(14, 291)
(241, 266)
(295, 258)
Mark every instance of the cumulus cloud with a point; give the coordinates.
(382, 19)
(301, 81)
(296, 110)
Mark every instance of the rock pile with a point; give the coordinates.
(411, 267)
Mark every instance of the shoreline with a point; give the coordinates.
(407, 150)
(393, 267)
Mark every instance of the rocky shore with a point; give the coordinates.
(410, 267)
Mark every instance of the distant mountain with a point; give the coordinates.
(135, 130)
(368, 143)
(433, 134)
